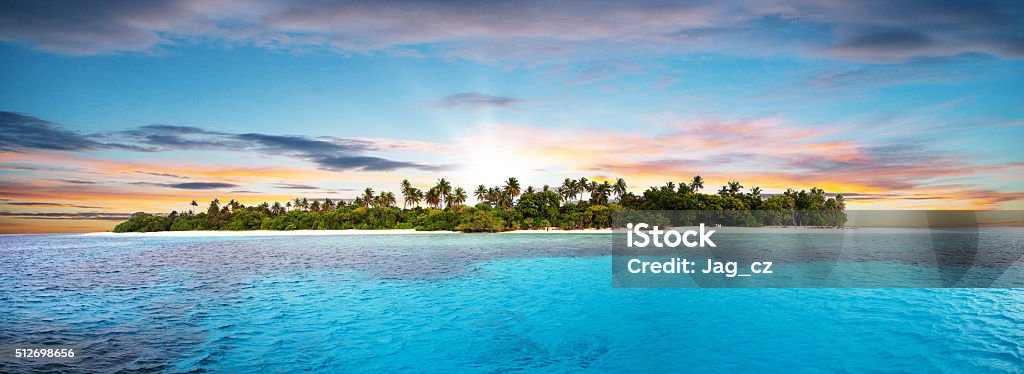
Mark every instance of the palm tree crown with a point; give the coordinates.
(459, 196)
(444, 190)
(697, 183)
(512, 187)
(480, 193)
(620, 188)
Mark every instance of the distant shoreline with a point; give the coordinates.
(256, 233)
(351, 232)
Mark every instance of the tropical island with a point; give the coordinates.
(575, 204)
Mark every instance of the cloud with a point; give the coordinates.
(290, 186)
(886, 75)
(300, 144)
(201, 185)
(476, 100)
(896, 31)
(76, 181)
(19, 133)
(53, 205)
(75, 216)
(368, 163)
(23, 133)
(891, 40)
(168, 175)
(528, 32)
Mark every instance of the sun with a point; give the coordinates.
(490, 160)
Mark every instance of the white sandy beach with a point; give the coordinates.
(557, 231)
(324, 233)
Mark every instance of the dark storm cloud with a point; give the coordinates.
(476, 100)
(22, 133)
(201, 185)
(528, 32)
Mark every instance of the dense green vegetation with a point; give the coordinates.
(576, 204)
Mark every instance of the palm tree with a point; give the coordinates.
(459, 196)
(214, 207)
(415, 196)
(386, 199)
(504, 199)
(568, 188)
(433, 197)
(444, 190)
(480, 193)
(368, 198)
(601, 193)
(493, 195)
(410, 197)
(406, 192)
(194, 206)
(512, 187)
(697, 183)
(756, 191)
(581, 187)
(620, 188)
(734, 187)
(530, 190)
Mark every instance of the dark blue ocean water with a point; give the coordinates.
(443, 303)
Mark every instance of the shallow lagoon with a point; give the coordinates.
(445, 302)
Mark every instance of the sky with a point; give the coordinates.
(114, 107)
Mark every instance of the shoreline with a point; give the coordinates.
(351, 232)
(258, 233)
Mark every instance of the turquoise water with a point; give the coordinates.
(442, 303)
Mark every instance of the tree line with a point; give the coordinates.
(575, 204)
